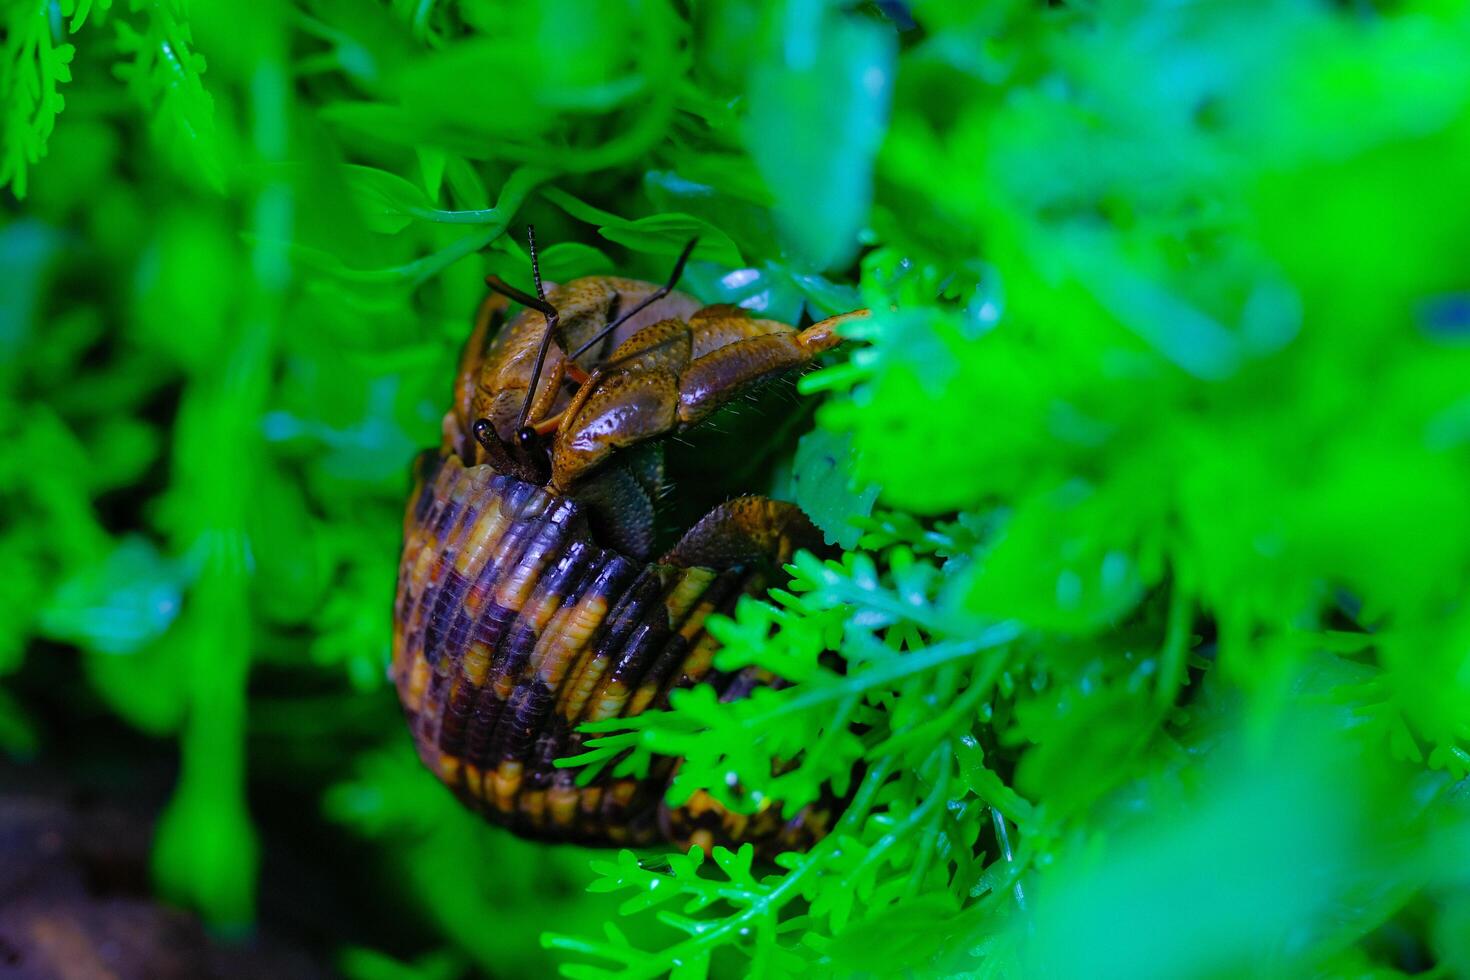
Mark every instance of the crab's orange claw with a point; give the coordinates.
(622, 410)
(717, 377)
(733, 353)
(823, 336)
(665, 345)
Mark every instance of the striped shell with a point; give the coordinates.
(512, 627)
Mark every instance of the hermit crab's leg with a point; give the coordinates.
(619, 510)
(623, 409)
(632, 397)
(539, 411)
(661, 348)
(745, 540)
(721, 325)
(671, 333)
(748, 536)
(648, 301)
(717, 377)
(457, 425)
(672, 375)
(746, 530)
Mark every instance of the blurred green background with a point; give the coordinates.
(1154, 465)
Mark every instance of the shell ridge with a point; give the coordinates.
(672, 662)
(424, 630)
(522, 594)
(525, 506)
(417, 547)
(458, 515)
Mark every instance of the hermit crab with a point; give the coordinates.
(529, 600)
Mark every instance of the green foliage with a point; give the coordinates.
(1148, 652)
(35, 66)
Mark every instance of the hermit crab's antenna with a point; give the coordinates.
(539, 304)
(653, 297)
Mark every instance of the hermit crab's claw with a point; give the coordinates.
(673, 375)
(618, 411)
(747, 530)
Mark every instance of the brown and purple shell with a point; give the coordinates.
(513, 627)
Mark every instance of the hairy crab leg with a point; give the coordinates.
(549, 424)
(544, 400)
(672, 375)
(652, 298)
(653, 355)
(722, 374)
(744, 530)
(488, 319)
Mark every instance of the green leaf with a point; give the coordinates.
(667, 234)
(33, 67)
(386, 201)
(119, 605)
(659, 234)
(818, 106)
(565, 261)
(826, 488)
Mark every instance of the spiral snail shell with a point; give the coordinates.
(527, 602)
